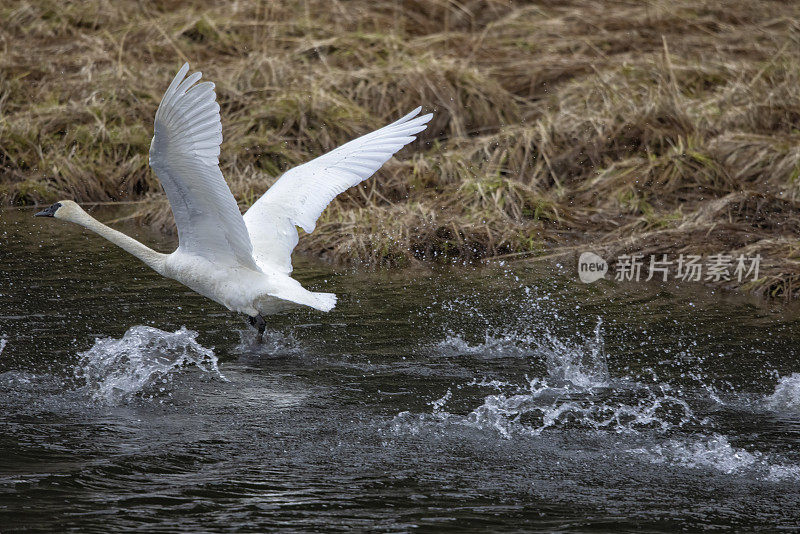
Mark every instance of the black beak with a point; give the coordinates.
(49, 212)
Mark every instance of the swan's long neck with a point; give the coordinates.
(153, 259)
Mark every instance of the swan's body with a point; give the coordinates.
(241, 262)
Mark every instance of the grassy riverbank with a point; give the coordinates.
(620, 127)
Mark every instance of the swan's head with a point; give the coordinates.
(63, 209)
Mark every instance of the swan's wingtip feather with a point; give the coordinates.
(181, 74)
(301, 194)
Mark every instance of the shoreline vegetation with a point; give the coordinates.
(648, 127)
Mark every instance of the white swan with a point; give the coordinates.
(241, 262)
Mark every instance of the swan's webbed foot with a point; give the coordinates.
(259, 324)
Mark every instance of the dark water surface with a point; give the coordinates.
(502, 399)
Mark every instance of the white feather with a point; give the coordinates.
(184, 154)
(302, 193)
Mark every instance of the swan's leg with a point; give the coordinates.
(260, 324)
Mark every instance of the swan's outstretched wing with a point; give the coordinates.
(302, 193)
(184, 155)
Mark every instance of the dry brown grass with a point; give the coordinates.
(646, 126)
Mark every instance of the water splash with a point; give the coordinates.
(578, 392)
(275, 343)
(438, 403)
(142, 363)
(545, 407)
(492, 346)
(716, 452)
(23, 381)
(582, 365)
(786, 396)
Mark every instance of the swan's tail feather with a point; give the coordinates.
(291, 290)
(327, 301)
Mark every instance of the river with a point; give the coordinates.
(501, 398)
